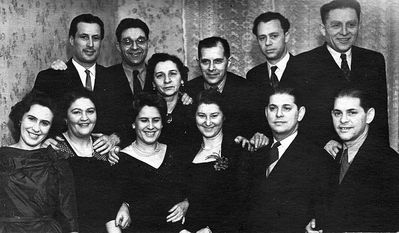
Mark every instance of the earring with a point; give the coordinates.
(182, 83)
(153, 88)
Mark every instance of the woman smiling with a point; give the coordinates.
(149, 169)
(35, 183)
(92, 173)
(212, 170)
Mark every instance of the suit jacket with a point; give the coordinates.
(119, 77)
(322, 78)
(56, 83)
(259, 82)
(368, 197)
(237, 102)
(294, 192)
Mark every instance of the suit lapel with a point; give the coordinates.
(72, 75)
(284, 164)
(285, 75)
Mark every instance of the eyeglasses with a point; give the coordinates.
(127, 42)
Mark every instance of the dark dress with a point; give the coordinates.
(179, 125)
(34, 186)
(214, 194)
(94, 190)
(151, 192)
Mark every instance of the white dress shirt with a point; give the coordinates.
(285, 143)
(337, 56)
(82, 74)
(281, 65)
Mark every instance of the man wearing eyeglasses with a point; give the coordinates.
(132, 43)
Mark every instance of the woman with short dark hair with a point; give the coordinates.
(168, 75)
(92, 173)
(150, 173)
(35, 183)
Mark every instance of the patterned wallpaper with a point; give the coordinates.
(163, 17)
(378, 31)
(34, 32)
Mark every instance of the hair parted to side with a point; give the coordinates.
(151, 100)
(131, 23)
(85, 18)
(269, 16)
(298, 98)
(339, 4)
(213, 42)
(23, 106)
(363, 95)
(210, 96)
(162, 57)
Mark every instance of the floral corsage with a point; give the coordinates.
(221, 163)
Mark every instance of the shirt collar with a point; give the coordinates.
(220, 86)
(285, 143)
(337, 56)
(354, 146)
(129, 71)
(280, 64)
(81, 70)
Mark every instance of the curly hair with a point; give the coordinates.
(23, 106)
(161, 57)
(152, 100)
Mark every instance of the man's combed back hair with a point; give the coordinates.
(269, 16)
(85, 18)
(339, 4)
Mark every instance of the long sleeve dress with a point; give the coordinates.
(214, 190)
(95, 189)
(150, 192)
(35, 187)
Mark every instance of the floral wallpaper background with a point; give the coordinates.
(33, 33)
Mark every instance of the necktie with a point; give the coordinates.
(345, 66)
(136, 82)
(273, 154)
(273, 77)
(344, 165)
(88, 81)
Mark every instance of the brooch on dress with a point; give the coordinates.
(221, 163)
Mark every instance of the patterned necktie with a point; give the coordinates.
(345, 66)
(273, 154)
(344, 165)
(273, 77)
(136, 82)
(88, 81)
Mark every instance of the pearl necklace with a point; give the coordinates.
(145, 153)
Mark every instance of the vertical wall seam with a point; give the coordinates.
(183, 20)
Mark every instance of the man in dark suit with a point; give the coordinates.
(290, 179)
(132, 43)
(214, 59)
(272, 33)
(366, 196)
(337, 64)
(85, 36)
